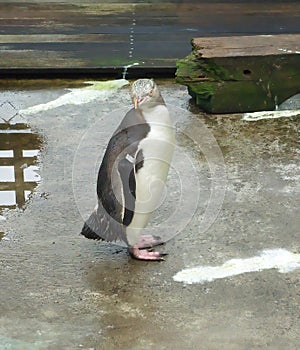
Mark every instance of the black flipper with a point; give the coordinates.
(109, 220)
(126, 171)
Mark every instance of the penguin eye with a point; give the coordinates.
(151, 92)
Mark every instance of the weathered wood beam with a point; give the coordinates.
(241, 73)
(75, 38)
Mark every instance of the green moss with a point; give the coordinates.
(213, 70)
(203, 94)
(204, 90)
(193, 69)
(239, 84)
(187, 68)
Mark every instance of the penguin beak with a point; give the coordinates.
(136, 103)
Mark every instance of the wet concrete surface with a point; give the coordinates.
(61, 291)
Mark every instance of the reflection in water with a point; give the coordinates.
(19, 148)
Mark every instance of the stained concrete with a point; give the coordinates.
(61, 291)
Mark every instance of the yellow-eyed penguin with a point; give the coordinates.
(133, 173)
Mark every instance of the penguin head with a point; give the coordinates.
(145, 93)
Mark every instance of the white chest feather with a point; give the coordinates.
(161, 138)
(157, 148)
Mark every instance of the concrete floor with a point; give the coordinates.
(61, 291)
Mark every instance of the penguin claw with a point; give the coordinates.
(145, 254)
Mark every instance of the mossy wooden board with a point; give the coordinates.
(249, 81)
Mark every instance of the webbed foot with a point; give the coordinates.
(145, 254)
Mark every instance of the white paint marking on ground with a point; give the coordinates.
(252, 117)
(280, 259)
(101, 90)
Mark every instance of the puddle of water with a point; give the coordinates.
(19, 146)
(19, 150)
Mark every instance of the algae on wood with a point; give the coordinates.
(241, 74)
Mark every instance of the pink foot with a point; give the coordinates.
(140, 254)
(148, 241)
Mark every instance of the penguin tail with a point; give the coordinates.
(89, 233)
(101, 226)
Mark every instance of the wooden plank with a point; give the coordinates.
(238, 46)
(59, 35)
(61, 38)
